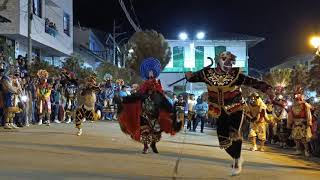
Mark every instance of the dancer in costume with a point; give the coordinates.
(258, 123)
(226, 102)
(43, 97)
(272, 128)
(300, 121)
(9, 92)
(280, 118)
(70, 86)
(146, 114)
(87, 109)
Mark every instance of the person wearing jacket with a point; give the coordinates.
(201, 109)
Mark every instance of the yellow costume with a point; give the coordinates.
(259, 121)
(87, 109)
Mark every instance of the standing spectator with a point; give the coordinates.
(201, 109)
(191, 110)
(174, 99)
(55, 101)
(179, 109)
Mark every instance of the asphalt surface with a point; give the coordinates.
(104, 152)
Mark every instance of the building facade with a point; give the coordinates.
(51, 33)
(191, 55)
(89, 47)
(293, 62)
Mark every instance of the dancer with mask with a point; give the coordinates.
(226, 102)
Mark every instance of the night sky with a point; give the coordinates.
(285, 24)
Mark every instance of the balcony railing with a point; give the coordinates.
(53, 32)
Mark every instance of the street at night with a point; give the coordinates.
(103, 152)
(154, 89)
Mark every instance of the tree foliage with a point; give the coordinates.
(314, 78)
(146, 44)
(299, 77)
(40, 64)
(118, 73)
(75, 64)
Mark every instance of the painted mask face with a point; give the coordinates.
(298, 97)
(151, 75)
(226, 61)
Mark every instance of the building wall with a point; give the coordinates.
(11, 13)
(292, 62)
(192, 55)
(60, 45)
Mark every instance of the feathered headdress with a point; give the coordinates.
(43, 74)
(150, 64)
(107, 77)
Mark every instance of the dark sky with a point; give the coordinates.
(286, 24)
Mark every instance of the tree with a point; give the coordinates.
(73, 63)
(118, 73)
(300, 77)
(314, 78)
(40, 64)
(145, 44)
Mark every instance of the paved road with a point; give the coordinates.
(103, 152)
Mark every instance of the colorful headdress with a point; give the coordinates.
(298, 90)
(150, 64)
(120, 82)
(107, 77)
(42, 74)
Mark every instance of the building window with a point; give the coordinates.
(66, 23)
(306, 63)
(293, 67)
(37, 7)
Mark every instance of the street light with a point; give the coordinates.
(200, 35)
(183, 36)
(315, 41)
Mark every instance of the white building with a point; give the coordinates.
(89, 47)
(191, 55)
(52, 30)
(292, 62)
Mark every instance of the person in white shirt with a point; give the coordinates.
(191, 113)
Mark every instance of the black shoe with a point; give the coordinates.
(201, 131)
(154, 148)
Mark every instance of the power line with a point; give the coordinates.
(133, 24)
(134, 13)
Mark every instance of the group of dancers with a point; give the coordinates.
(146, 113)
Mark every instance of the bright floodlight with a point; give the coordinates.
(183, 36)
(315, 41)
(200, 35)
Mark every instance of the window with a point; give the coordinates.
(37, 8)
(66, 23)
(306, 63)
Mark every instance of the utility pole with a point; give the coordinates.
(30, 17)
(114, 42)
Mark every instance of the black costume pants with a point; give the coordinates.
(229, 135)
